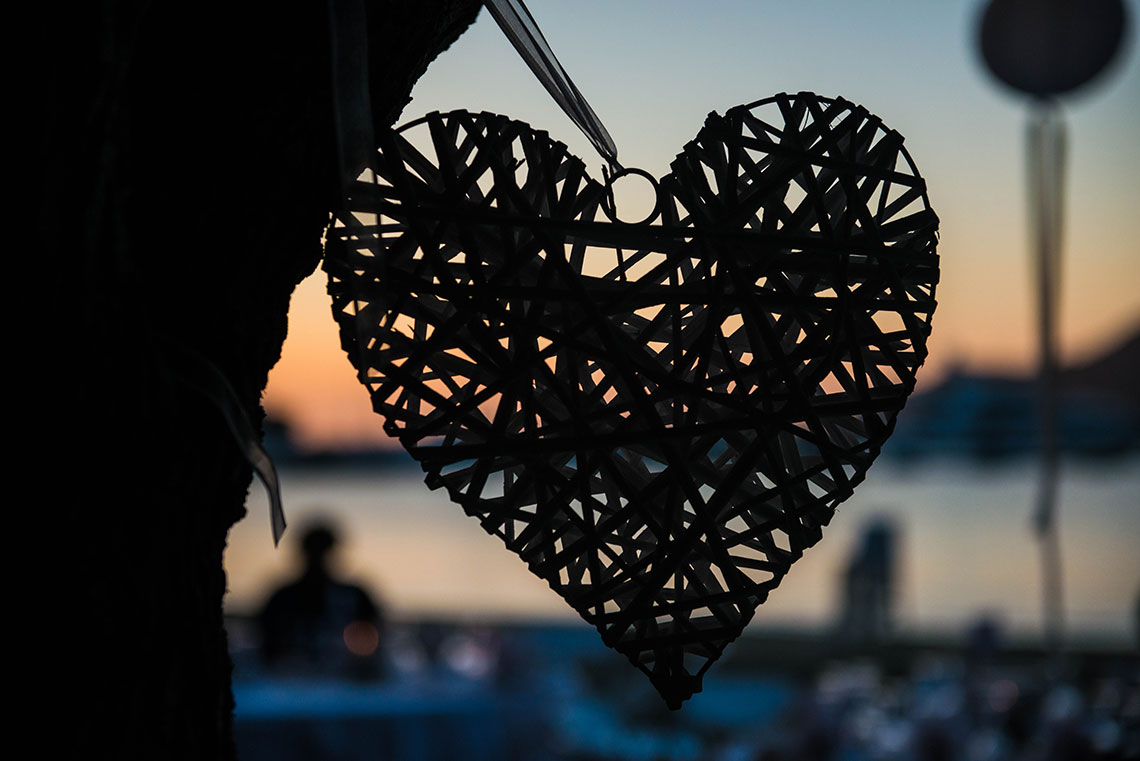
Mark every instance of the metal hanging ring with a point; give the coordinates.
(609, 207)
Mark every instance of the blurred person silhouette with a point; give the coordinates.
(318, 625)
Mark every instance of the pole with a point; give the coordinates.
(1046, 163)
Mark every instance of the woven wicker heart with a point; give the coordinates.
(658, 418)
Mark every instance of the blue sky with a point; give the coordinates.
(653, 69)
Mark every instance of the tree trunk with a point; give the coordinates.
(188, 163)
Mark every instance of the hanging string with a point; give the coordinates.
(197, 372)
(520, 27)
(352, 106)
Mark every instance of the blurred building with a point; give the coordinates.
(990, 417)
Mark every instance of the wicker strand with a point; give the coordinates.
(657, 418)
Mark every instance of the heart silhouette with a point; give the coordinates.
(658, 418)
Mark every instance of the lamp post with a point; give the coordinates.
(1047, 49)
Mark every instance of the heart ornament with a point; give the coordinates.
(660, 417)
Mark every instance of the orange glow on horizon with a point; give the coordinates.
(981, 325)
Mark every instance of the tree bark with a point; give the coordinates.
(188, 169)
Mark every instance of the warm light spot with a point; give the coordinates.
(361, 638)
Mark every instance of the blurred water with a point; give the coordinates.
(966, 547)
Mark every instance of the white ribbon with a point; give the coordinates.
(200, 374)
(520, 27)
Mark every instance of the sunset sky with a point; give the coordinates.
(653, 69)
